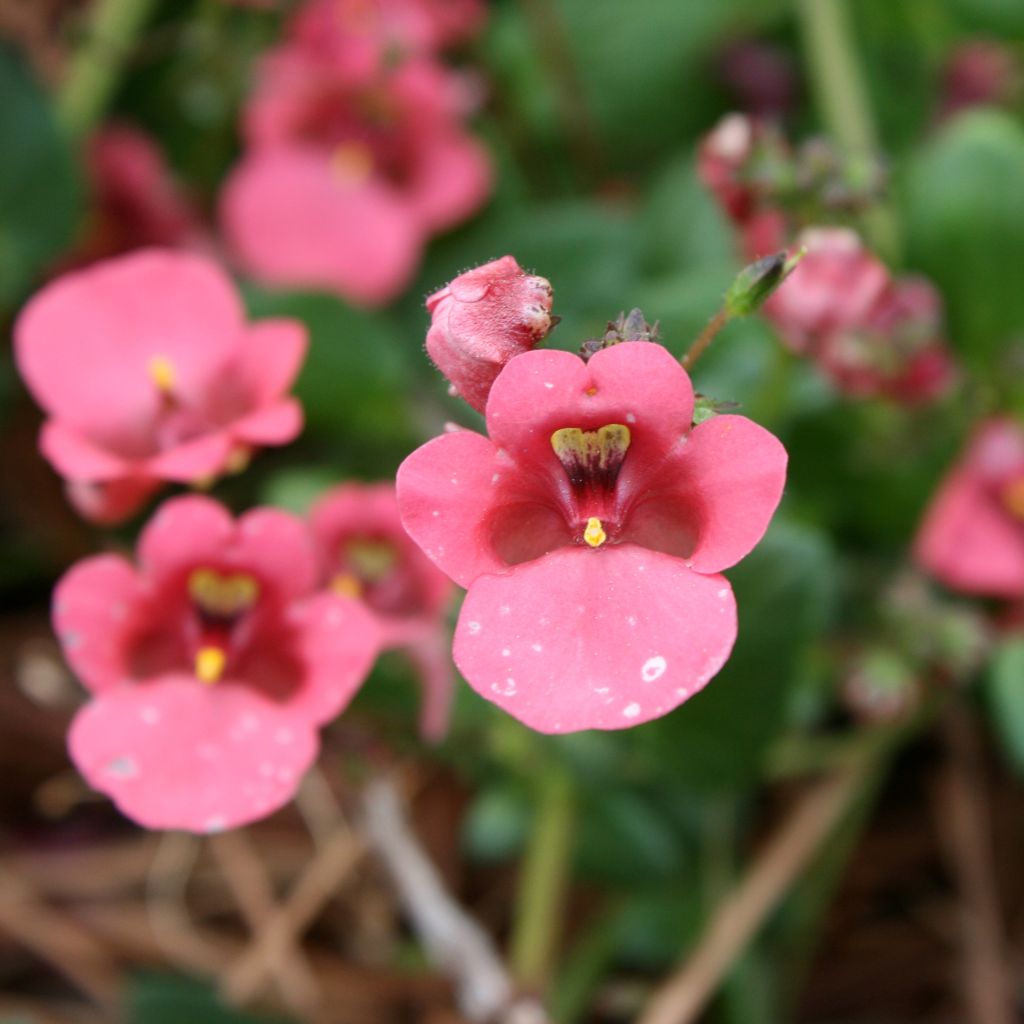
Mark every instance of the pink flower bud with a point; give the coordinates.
(481, 320)
(722, 159)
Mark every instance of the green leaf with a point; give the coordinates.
(1005, 690)
(40, 194)
(965, 225)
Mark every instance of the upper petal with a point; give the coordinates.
(732, 473)
(95, 607)
(337, 642)
(638, 384)
(452, 180)
(174, 754)
(601, 639)
(293, 222)
(85, 343)
(185, 532)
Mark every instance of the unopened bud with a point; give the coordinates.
(481, 320)
(757, 281)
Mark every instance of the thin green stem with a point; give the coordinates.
(706, 336)
(95, 68)
(842, 97)
(542, 883)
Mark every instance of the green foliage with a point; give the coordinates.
(163, 999)
(40, 193)
(1005, 691)
(965, 227)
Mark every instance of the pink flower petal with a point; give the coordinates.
(432, 658)
(339, 641)
(638, 384)
(447, 491)
(293, 222)
(271, 357)
(279, 548)
(734, 471)
(562, 647)
(452, 181)
(111, 502)
(185, 532)
(277, 423)
(968, 542)
(194, 461)
(75, 457)
(85, 343)
(175, 754)
(95, 606)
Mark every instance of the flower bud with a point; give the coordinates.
(481, 320)
(756, 282)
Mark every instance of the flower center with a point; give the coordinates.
(368, 571)
(352, 162)
(220, 600)
(163, 374)
(592, 460)
(1012, 497)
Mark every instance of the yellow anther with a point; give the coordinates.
(1013, 498)
(347, 585)
(594, 534)
(225, 596)
(352, 162)
(163, 374)
(210, 663)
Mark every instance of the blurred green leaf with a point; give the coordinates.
(965, 225)
(1005, 690)
(40, 194)
(166, 999)
(1000, 16)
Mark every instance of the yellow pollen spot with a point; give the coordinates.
(221, 595)
(210, 663)
(163, 374)
(352, 162)
(1013, 498)
(347, 585)
(591, 391)
(594, 534)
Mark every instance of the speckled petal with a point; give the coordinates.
(174, 754)
(594, 639)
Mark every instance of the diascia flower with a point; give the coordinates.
(365, 553)
(590, 528)
(211, 665)
(354, 158)
(972, 536)
(481, 320)
(148, 372)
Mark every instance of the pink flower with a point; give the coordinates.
(351, 164)
(212, 665)
(148, 372)
(837, 285)
(723, 165)
(137, 202)
(972, 537)
(367, 554)
(481, 320)
(979, 72)
(590, 528)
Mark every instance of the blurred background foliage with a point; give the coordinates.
(593, 112)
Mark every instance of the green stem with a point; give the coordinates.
(542, 882)
(93, 73)
(841, 93)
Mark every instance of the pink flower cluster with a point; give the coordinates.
(590, 527)
(355, 148)
(869, 332)
(213, 661)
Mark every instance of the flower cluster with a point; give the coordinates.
(869, 332)
(355, 148)
(590, 527)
